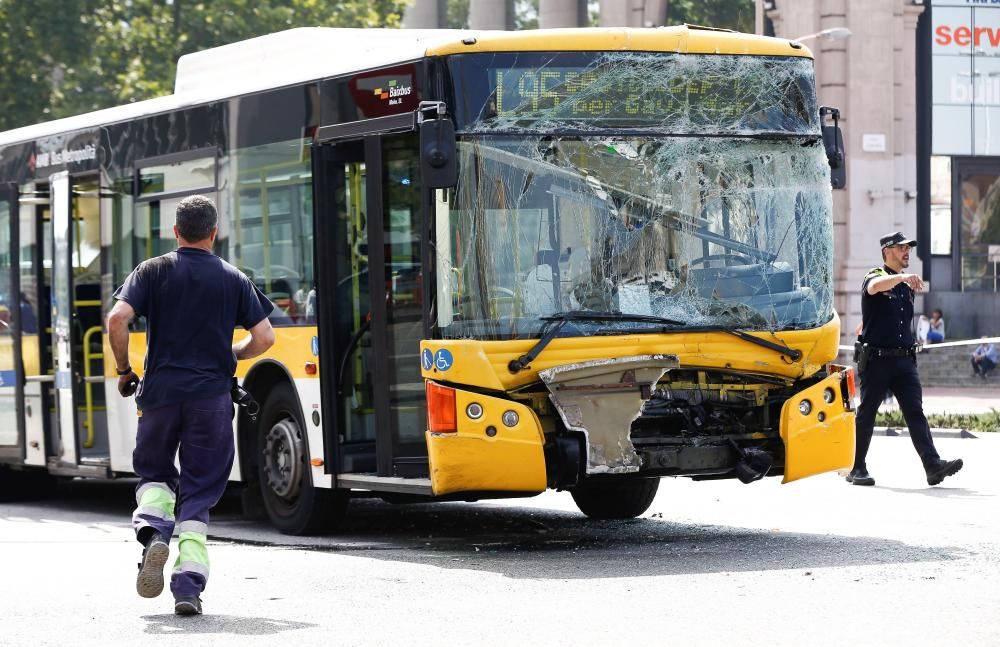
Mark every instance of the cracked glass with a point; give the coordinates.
(687, 187)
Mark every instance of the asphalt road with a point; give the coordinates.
(818, 562)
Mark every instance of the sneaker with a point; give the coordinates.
(860, 477)
(187, 606)
(149, 582)
(940, 470)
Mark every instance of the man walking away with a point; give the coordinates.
(887, 361)
(192, 301)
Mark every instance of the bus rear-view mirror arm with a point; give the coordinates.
(437, 145)
(833, 141)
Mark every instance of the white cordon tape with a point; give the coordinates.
(946, 344)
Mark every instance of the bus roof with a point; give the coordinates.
(309, 53)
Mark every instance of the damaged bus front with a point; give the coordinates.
(634, 278)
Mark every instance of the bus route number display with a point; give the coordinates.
(601, 93)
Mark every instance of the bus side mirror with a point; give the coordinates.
(437, 153)
(833, 142)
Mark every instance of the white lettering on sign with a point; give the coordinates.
(873, 142)
(981, 91)
(58, 158)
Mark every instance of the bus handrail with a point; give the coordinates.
(88, 383)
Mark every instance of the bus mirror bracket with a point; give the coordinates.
(437, 145)
(833, 142)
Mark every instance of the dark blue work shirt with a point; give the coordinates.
(193, 301)
(886, 317)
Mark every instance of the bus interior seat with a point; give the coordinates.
(742, 280)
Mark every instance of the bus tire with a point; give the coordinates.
(293, 505)
(619, 499)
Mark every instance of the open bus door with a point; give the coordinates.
(12, 443)
(370, 252)
(77, 326)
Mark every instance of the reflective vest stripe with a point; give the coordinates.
(192, 554)
(192, 526)
(191, 567)
(155, 511)
(152, 485)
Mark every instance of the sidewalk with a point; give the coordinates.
(942, 399)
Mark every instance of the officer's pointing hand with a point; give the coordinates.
(915, 282)
(128, 383)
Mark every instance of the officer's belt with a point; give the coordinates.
(892, 352)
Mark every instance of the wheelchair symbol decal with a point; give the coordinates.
(443, 360)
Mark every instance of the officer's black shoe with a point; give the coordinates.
(187, 606)
(149, 582)
(940, 469)
(860, 477)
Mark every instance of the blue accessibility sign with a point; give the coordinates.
(315, 345)
(426, 359)
(443, 360)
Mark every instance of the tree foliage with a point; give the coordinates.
(64, 57)
(726, 14)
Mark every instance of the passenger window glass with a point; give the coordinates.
(271, 238)
(175, 177)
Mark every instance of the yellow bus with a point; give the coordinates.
(576, 259)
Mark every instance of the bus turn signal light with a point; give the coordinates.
(852, 388)
(441, 415)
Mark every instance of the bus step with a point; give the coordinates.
(385, 484)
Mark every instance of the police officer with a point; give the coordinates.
(192, 301)
(887, 360)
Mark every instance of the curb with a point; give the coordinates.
(936, 432)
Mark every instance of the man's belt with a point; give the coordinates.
(904, 351)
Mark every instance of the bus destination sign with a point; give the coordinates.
(596, 93)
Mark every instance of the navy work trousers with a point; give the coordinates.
(899, 376)
(200, 434)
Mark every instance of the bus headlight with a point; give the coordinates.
(510, 418)
(474, 410)
(805, 407)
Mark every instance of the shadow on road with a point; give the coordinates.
(522, 542)
(940, 492)
(519, 541)
(172, 625)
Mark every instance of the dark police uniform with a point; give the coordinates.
(891, 366)
(192, 301)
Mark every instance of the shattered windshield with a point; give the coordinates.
(725, 230)
(651, 91)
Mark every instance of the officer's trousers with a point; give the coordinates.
(897, 375)
(200, 434)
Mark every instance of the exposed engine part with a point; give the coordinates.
(601, 399)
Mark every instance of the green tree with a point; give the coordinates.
(37, 39)
(64, 57)
(726, 14)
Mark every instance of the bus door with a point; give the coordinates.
(12, 446)
(371, 304)
(77, 321)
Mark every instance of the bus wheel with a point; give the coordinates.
(292, 503)
(623, 499)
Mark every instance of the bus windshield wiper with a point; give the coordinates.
(555, 322)
(794, 353)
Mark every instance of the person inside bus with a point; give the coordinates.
(192, 301)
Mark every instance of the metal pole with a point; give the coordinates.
(758, 23)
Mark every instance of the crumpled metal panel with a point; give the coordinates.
(601, 398)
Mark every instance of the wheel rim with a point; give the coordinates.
(283, 453)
